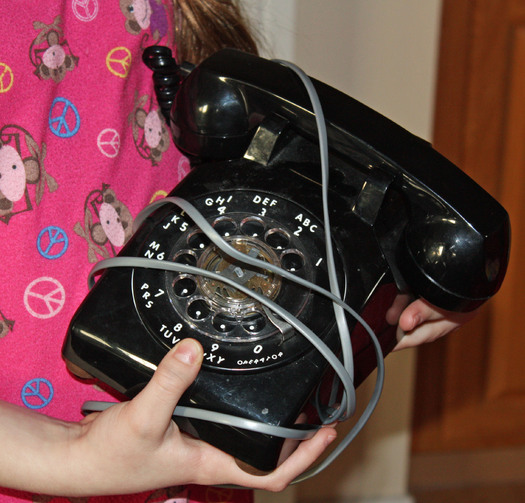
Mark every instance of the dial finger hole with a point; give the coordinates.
(184, 286)
(226, 227)
(253, 323)
(253, 227)
(277, 239)
(186, 257)
(198, 240)
(198, 310)
(292, 260)
(224, 323)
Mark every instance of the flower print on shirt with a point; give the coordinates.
(107, 223)
(21, 164)
(145, 14)
(150, 132)
(50, 52)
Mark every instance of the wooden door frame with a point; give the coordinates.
(457, 382)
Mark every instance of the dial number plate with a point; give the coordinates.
(236, 331)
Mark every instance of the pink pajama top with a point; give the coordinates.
(83, 148)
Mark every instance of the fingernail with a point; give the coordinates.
(330, 439)
(416, 321)
(187, 351)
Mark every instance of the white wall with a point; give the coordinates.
(383, 53)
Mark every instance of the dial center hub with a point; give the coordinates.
(257, 279)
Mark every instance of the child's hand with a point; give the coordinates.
(136, 446)
(422, 322)
(132, 446)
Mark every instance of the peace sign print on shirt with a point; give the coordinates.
(44, 297)
(108, 142)
(85, 10)
(118, 61)
(6, 78)
(52, 242)
(64, 119)
(37, 393)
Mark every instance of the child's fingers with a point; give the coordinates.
(153, 407)
(296, 464)
(422, 322)
(426, 332)
(417, 313)
(290, 445)
(300, 460)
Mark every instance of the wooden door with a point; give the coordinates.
(470, 389)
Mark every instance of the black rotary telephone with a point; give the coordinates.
(237, 257)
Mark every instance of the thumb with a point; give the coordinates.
(154, 405)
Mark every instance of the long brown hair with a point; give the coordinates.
(202, 27)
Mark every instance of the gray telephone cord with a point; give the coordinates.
(344, 371)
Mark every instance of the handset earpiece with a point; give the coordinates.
(449, 263)
(210, 117)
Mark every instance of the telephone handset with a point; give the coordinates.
(447, 210)
(402, 218)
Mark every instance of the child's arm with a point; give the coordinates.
(130, 447)
(422, 322)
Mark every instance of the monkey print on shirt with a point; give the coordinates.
(150, 132)
(5, 325)
(21, 164)
(143, 14)
(107, 224)
(50, 52)
(83, 149)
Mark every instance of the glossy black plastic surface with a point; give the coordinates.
(403, 219)
(455, 249)
(110, 336)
